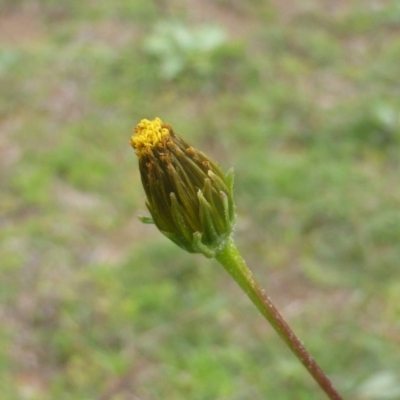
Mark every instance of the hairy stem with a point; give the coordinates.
(232, 261)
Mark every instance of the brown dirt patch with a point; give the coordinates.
(20, 27)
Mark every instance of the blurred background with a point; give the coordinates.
(302, 98)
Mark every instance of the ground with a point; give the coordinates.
(301, 98)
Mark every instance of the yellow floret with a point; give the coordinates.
(148, 134)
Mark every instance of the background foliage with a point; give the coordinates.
(302, 98)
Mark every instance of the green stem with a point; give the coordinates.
(232, 261)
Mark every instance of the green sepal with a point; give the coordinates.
(179, 220)
(201, 247)
(230, 177)
(146, 220)
(206, 219)
(217, 180)
(225, 202)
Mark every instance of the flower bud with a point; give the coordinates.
(189, 198)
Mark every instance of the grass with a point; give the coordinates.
(302, 101)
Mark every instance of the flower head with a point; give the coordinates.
(189, 198)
